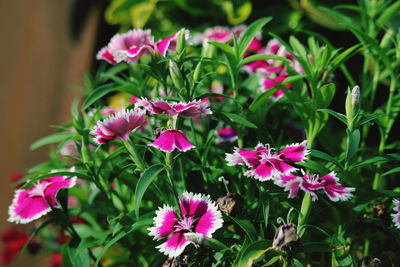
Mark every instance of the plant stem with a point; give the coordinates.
(136, 158)
(304, 210)
(168, 163)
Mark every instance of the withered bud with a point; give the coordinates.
(232, 203)
(286, 237)
(379, 209)
(368, 261)
(158, 131)
(181, 261)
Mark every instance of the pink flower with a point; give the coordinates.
(171, 139)
(187, 110)
(217, 34)
(225, 134)
(30, 204)
(334, 190)
(199, 215)
(312, 183)
(134, 43)
(268, 83)
(118, 126)
(14, 240)
(265, 164)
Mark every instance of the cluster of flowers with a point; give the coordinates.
(266, 165)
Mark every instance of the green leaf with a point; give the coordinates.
(247, 227)
(395, 170)
(145, 180)
(260, 99)
(250, 33)
(323, 97)
(239, 119)
(335, 114)
(353, 139)
(325, 156)
(121, 235)
(54, 138)
(367, 118)
(252, 58)
(254, 251)
(102, 91)
(315, 247)
(66, 257)
(266, 212)
(389, 13)
(272, 260)
(224, 47)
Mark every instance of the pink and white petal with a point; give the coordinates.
(280, 166)
(193, 204)
(294, 152)
(262, 172)
(105, 54)
(174, 246)
(25, 209)
(234, 158)
(293, 187)
(396, 219)
(250, 157)
(163, 222)
(396, 204)
(210, 221)
(181, 142)
(282, 179)
(133, 54)
(165, 142)
(336, 192)
(50, 193)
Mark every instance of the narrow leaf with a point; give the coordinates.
(250, 33)
(145, 180)
(54, 138)
(353, 139)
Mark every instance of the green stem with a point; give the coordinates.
(304, 210)
(136, 158)
(168, 163)
(366, 247)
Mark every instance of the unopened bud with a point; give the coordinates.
(181, 41)
(355, 95)
(175, 75)
(196, 238)
(198, 70)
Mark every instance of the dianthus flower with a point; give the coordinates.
(14, 240)
(312, 183)
(199, 215)
(187, 110)
(30, 204)
(130, 46)
(118, 126)
(171, 139)
(265, 164)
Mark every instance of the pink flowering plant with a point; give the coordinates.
(218, 135)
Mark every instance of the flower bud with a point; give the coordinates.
(197, 71)
(181, 42)
(175, 75)
(352, 105)
(180, 261)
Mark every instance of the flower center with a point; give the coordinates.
(38, 189)
(185, 224)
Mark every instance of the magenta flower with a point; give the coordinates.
(265, 164)
(134, 43)
(171, 139)
(334, 190)
(225, 134)
(118, 126)
(199, 215)
(187, 110)
(30, 204)
(396, 216)
(312, 183)
(268, 83)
